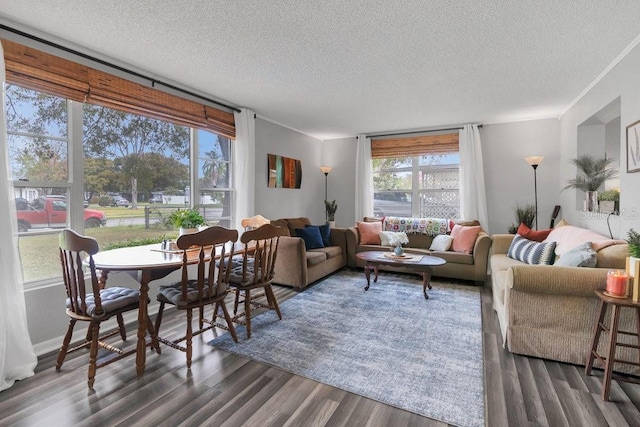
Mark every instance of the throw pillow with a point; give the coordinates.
(535, 235)
(581, 256)
(311, 236)
(529, 252)
(569, 237)
(441, 242)
(325, 233)
(464, 238)
(369, 232)
(387, 237)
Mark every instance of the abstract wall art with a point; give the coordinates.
(283, 172)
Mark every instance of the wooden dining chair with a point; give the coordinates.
(254, 269)
(209, 287)
(254, 222)
(87, 302)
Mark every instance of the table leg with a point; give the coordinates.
(426, 279)
(142, 323)
(613, 339)
(595, 337)
(375, 271)
(367, 274)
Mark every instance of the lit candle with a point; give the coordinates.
(617, 282)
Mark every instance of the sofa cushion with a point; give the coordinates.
(369, 232)
(441, 242)
(294, 223)
(531, 252)
(330, 251)
(315, 257)
(580, 256)
(311, 236)
(325, 233)
(464, 238)
(535, 235)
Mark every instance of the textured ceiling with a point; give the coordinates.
(337, 68)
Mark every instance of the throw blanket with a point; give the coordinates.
(429, 226)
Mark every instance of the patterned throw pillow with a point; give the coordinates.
(531, 252)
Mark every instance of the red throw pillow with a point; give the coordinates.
(369, 232)
(464, 238)
(536, 236)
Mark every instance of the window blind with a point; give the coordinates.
(414, 145)
(37, 70)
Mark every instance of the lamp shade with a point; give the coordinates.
(534, 160)
(325, 169)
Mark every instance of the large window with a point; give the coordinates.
(110, 174)
(420, 186)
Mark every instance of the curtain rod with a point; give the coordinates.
(114, 66)
(417, 131)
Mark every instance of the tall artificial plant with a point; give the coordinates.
(592, 173)
(331, 208)
(525, 214)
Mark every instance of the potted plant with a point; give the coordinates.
(525, 214)
(609, 200)
(186, 220)
(331, 208)
(592, 173)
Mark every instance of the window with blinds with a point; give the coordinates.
(43, 72)
(416, 176)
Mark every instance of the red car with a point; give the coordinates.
(51, 212)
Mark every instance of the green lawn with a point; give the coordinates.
(40, 256)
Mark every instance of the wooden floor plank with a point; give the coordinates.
(226, 389)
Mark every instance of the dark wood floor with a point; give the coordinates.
(224, 389)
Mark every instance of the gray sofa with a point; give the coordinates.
(297, 267)
(459, 266)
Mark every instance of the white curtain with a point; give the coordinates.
(364, 178)
(244, 166)
(17, 358)
(473, 197)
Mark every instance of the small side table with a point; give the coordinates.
(616, 305)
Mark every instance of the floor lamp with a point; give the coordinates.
(325, 170)
(534, 161)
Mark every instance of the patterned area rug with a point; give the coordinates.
(388, 343)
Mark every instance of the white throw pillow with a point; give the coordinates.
(386, 237)
(442, 242)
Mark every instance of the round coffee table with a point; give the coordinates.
(415, 263)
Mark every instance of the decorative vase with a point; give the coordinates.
(591, 201)
(332, 224)
(398, 250)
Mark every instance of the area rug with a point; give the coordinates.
(388, 343)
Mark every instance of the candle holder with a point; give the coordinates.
(633, 271)
(617, 283)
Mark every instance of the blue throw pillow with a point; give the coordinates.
(325, 232)
(531, 252)
(311, 236)
(580, 256)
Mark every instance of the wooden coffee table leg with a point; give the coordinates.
(426, 278)
(367, 274)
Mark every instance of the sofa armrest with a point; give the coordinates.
(353, 240)
(291, 262)
(556, 280)
(339, 238)
(501, 242)
(481, 254)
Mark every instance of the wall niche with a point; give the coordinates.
(599, 136)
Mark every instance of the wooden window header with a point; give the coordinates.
(37, 70)
(414, 145)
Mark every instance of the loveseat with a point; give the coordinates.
(548, 311)
(298, 267)
(466, 266)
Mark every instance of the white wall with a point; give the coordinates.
(508, 177)
(621, 81)
(308, 200)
